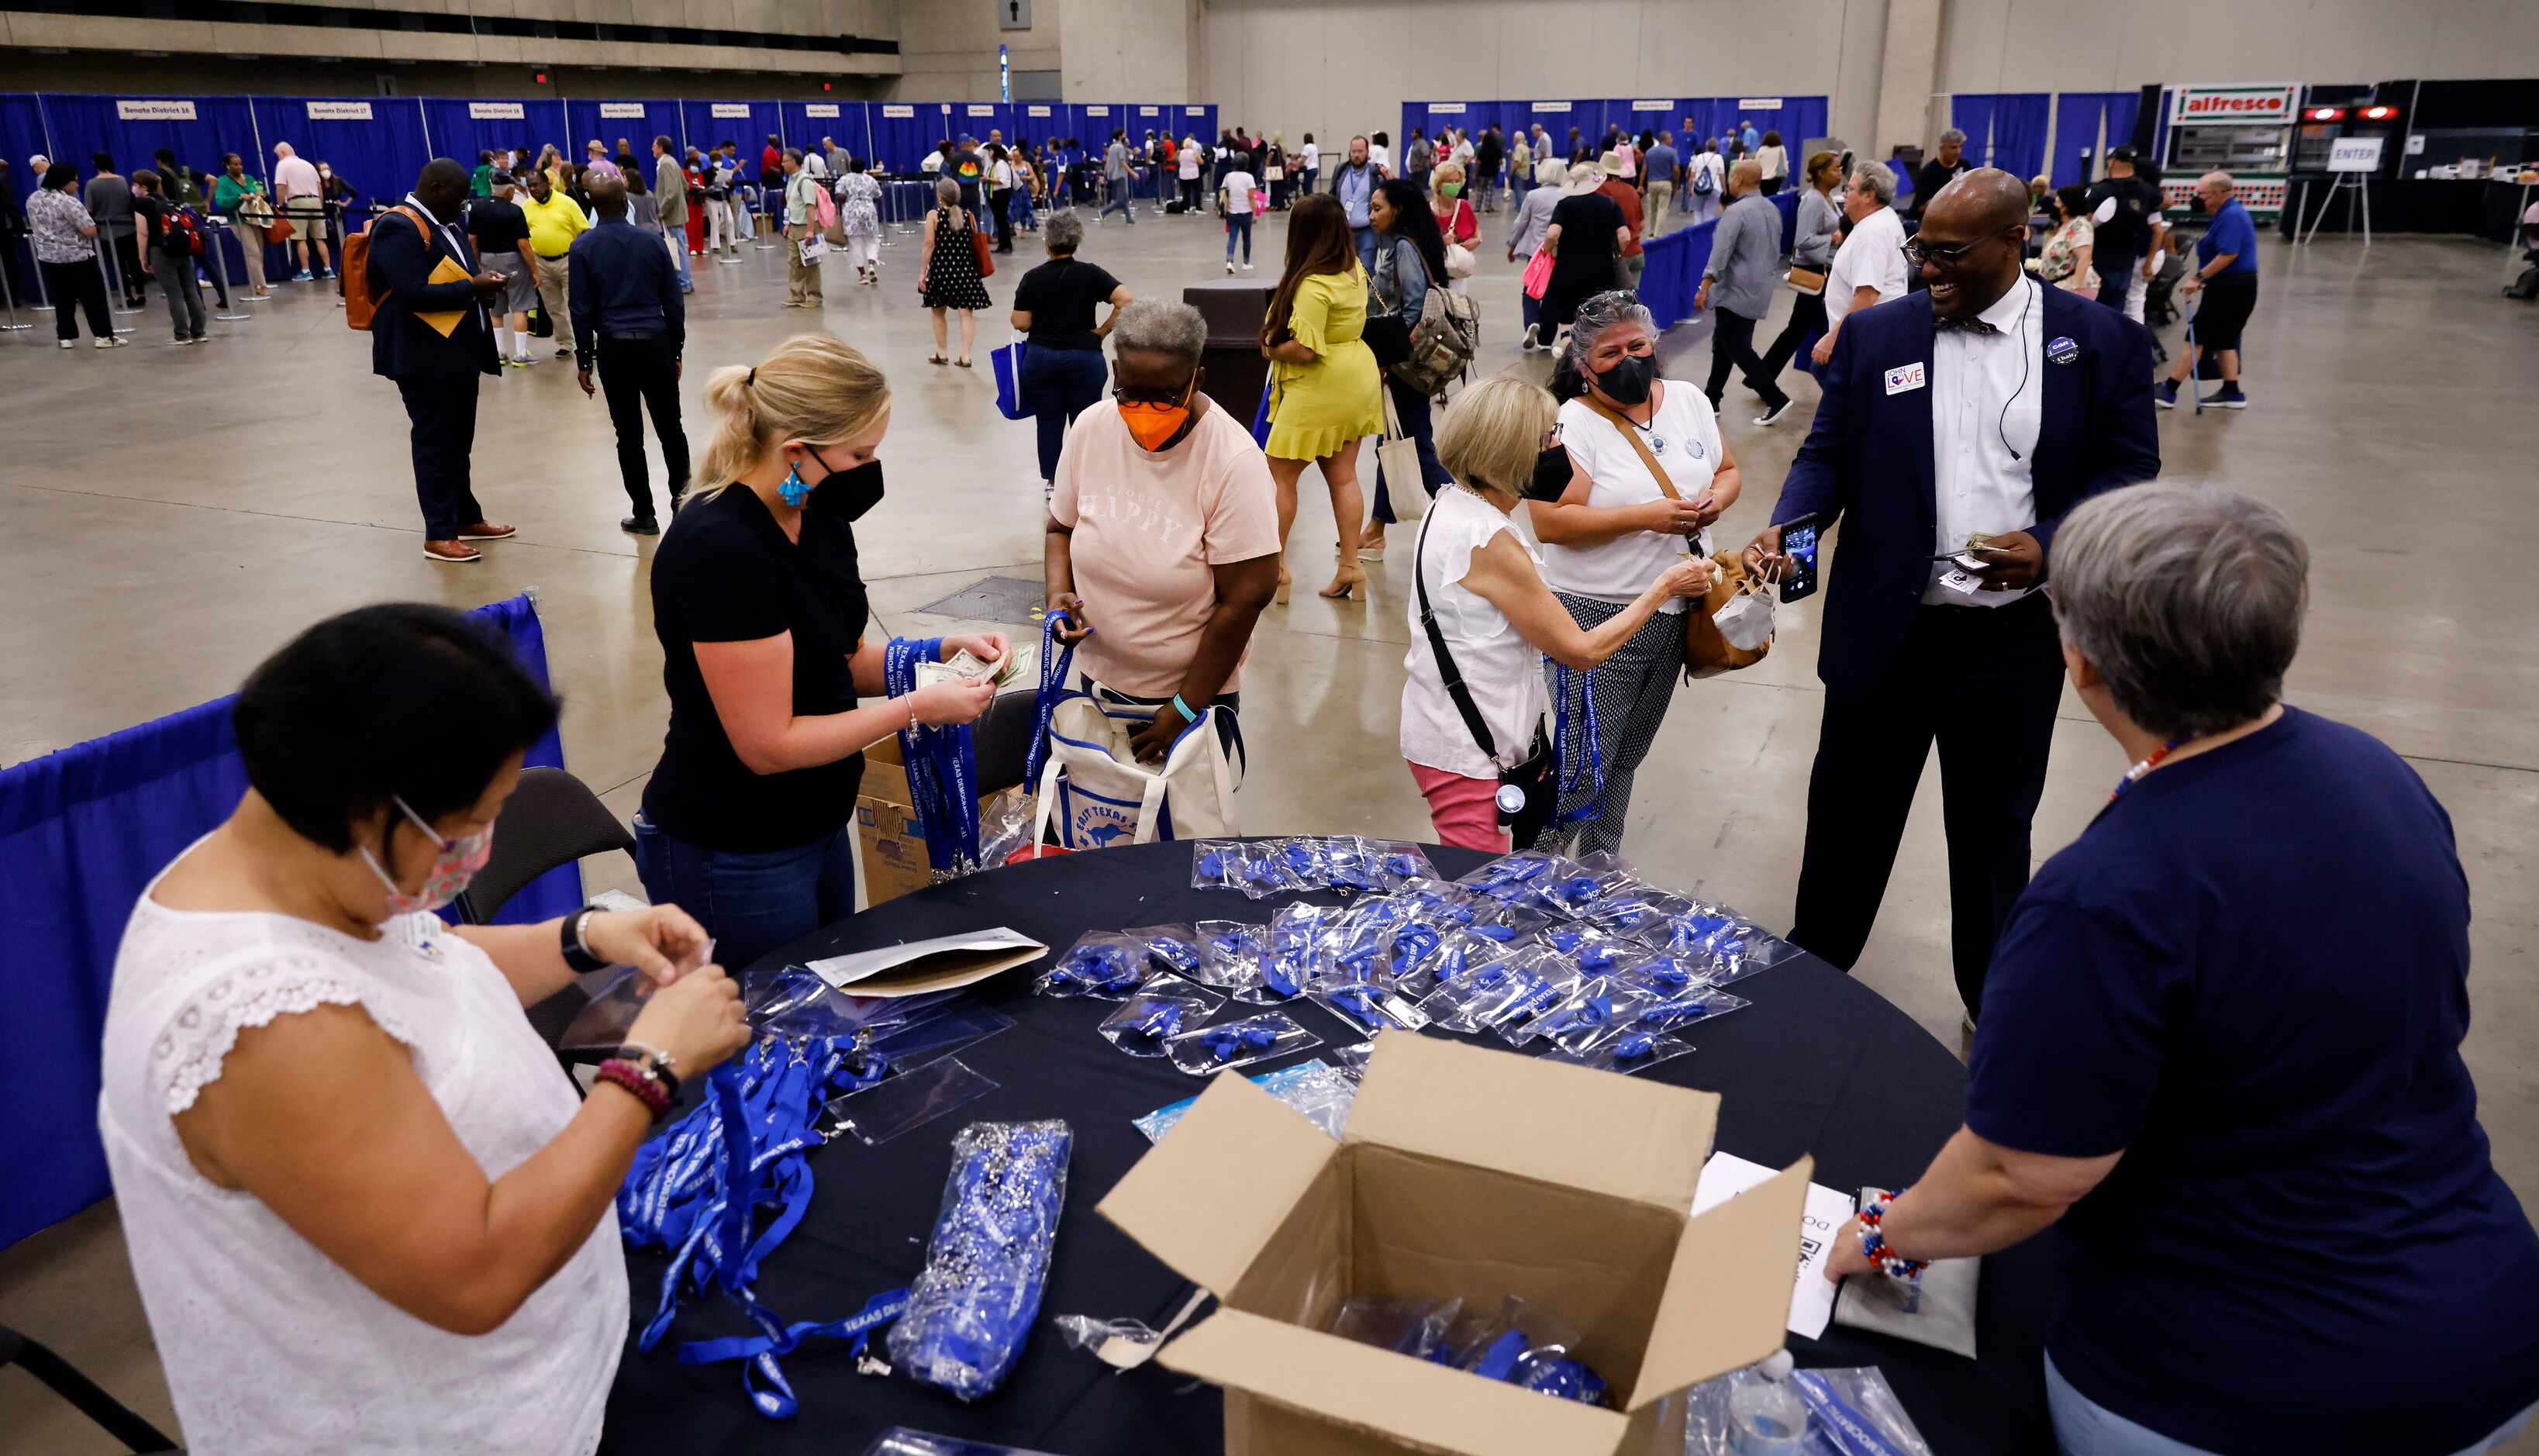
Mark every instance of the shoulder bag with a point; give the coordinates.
(1537, 781)
(979, 249)
(1706, 653)
(1805, 280)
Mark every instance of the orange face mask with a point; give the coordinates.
(1152, 423)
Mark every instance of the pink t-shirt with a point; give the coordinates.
(1149, 529)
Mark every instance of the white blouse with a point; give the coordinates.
(1503, 670)
(1683, 437)
(268, 1344)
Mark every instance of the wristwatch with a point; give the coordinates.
(577, 957)
(653, 1062)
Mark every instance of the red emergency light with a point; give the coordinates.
(2380, 114)
(542, 78)
(2328, 113)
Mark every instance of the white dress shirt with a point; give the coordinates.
(1873, 256)
(1987, 401)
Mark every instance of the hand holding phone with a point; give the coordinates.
(1799, 546)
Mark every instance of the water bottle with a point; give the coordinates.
(1766, 1417)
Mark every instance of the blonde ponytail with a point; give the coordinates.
(814, 388)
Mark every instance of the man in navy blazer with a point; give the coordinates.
(1958, 422)
(436, 375)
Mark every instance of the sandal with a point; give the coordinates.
(963, 363)
(937, 358)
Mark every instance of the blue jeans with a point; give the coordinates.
(750, 903)
(1119, 189)
(676, 240)
(2083, 1427)
(1059, 385)
(1238, 222)
(1365, 237)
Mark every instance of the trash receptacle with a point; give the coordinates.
(1236, 371)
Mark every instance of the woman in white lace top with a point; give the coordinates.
(365, 1208)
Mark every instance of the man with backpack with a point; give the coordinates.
(435, 359)
(1705, 183)
(171, 240)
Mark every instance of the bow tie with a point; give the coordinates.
(1976, 326)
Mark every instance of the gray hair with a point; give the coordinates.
(1062, 233)
(1878, 178)
(1596, 316)
(1160, 326)
(1953, 135)
(2188, 602)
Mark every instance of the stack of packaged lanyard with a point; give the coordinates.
(1579, 959)
(721, 1187)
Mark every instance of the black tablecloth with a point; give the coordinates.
(1818, 1065)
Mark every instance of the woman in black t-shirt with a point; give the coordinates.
(766, 656)
(1063, 374)
(1588, 232)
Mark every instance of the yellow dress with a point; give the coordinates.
(1316, 408)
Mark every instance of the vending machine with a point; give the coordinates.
(2245, 130)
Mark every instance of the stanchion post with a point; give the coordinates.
(767, 219)
(112, 291)
(221, 266)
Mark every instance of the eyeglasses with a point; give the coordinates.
(1552, 437)
(1917, 253)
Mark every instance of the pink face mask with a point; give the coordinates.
(456, 864)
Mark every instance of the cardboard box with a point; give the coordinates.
(1463, 1172)
(887, 833)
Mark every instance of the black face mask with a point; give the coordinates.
(849, 493)
(1551, 470)
(1628, 381)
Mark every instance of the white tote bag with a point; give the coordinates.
(1396, 457)
(1097, 794)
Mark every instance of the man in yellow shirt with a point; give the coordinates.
(555, 220)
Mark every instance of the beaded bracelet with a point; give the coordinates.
(640, 1083)
(1873, 1242)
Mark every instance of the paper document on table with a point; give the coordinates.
(446, 271)
(1018, 668)
(1726, 1175)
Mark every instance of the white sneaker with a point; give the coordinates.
(1229, 265)
(70, 343)
(109, 342)
(1247, 267)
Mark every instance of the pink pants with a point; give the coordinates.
(1465, 810)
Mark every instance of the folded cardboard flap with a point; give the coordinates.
(1406, 1400)
(1560, 1124)
(1206, 1198)
(944, 963)
(1727, 1300)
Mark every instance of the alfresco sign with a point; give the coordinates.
(2189, 106)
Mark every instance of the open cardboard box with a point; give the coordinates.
(1461, 1172)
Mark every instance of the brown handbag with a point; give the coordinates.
(1706, 653)
(978, 251)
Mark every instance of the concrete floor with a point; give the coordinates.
(2392, 396)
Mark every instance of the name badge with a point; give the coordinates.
(1899, 380)
(2062, 350)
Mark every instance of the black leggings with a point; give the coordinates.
(1807, 316)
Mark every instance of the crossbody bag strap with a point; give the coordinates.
(1446, 671)
(1631, 433)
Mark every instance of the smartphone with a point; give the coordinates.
(1799, 543)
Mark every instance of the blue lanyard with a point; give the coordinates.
(1571, 772)
(695, 1187)
(942, 767)
(1055, 663)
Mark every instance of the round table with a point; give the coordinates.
(1818, 1065)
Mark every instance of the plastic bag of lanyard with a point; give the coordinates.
(1350, 1061)
(901, 1440)
(1848, 1412)
(1107, 964)
(1170, 948)
(1439, 902)
(1256, 868)
(1238, 1043)
(1625, 1050)
(1321, 1093)
(1366, 1003)
(1522, 1345)
(1667, 975)
(1584, 1018)
(1375, 866)
(1353, 938)
(1591, 950)
(1162, 1009)
(971, 1307)
(1738, 946)
(1520, 877)
(1510, 922)
(1516, 987)
(1230, 952)
(1412, 1327)
(1632, 911)
(1293, 952)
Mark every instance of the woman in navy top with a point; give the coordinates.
(2220, 1047)
(2226, 273)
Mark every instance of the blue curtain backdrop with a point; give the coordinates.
(1671, 270)
(978, 118)
(382, 155)
(458, 135)
(81, 832)
(2013, 120)
(749, 128)
(583, 120)
(1092, 122)
(82, 124)
(900, 141)
(842, 120)
(2078, 116)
